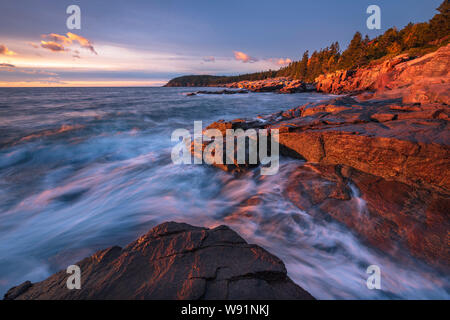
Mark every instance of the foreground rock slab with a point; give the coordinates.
(174, 261)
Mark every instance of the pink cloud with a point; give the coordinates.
(65, 40)
(84, 43)
(53, 46)
(279, 61)
(282, 61)
(241, 56)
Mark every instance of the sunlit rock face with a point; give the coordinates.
(174, 261)
(420, 80)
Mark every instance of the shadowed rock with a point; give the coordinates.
(174, 261)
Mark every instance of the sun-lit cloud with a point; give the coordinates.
(52, 46)
(279, 61)
(241, 56)
(5, 51)
(85, 43)
(57, 38)
(58, 42)
(282, 62)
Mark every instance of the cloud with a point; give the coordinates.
(76, 54)
(38, 72)
(57, 42)
(53, 46)
(84, 43)
(57, 38)
(238, 55)
(209, 59)
(51, 80)
(7, 65)
(279, 61)
(34, 45)
(5, 51)
(12, 68)
(282, 61)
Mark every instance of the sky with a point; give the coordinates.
(148, 42)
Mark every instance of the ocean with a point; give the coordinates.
(83, 169)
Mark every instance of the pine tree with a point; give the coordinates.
(303, 66)
(351, 56)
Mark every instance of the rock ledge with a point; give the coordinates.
(174, 261)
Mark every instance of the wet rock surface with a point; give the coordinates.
(389, 215)
(174, 261)
(394, 155)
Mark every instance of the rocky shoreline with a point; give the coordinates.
(377, 161)
(216, 92)
(174, 261)
(280, 85)
(388, 142)
(395, 155)
(414, 79)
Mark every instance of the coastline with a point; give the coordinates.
(362, 144)
(387, 137)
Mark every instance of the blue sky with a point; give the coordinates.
(148, 42)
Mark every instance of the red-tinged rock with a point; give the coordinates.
(174, 261)
(389, 215)
(420, 80)
(397, 155)
(281, 85)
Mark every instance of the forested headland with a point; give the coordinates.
(415, 39)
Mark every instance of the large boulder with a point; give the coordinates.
(174, 261)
